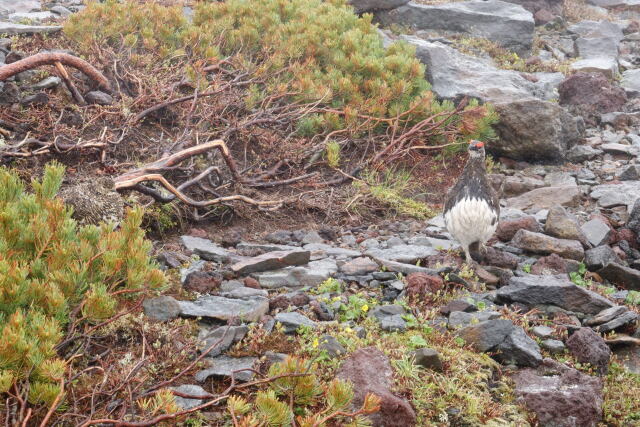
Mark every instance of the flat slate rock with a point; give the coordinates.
(546, 198)
(292, 321)
(554, 290)
(206, 249)
(221, 308)
(313, 274)
(539, 243)
(185, 403)
(610, 195)
(273, 260)
(224, 366)
(625, 277)
(403, 253)
(9, 28)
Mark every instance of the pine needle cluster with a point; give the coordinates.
(300, 399)
(50, 268)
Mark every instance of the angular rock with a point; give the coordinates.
(560, 396)
(618, 322)
(597, 47)
(631, 81)
(206, 249)
(607, 315)
(582, 153)
(542, 331)
(555, 133)
(244, 292)
(559, 291)
(185, 403)
(542, 244)
(297, 277)
(215, 307)
(331, 345)
(202, 282)
(546, 198)
(393, 323)
(292, 321)
(332, 251)
(161, 308)
(630, 173)
(10, 29)
(625, 277)
(369, 370)
(255, 249)
(220, 339)
(597, 29)
(511, 342)
(428, 358)
(98, 97)
(633, 222)
(589, 347)
(359, 267)
(507, 229)
(271, 261)
(497, 258)
(516, 185)
(223, 366)
(597, 231)
(402, 253)
(507, 24)
(553, 346)
(563, 225)
(459, 319)
(551, 264)
(600, 256)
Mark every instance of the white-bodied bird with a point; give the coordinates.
(472, 208)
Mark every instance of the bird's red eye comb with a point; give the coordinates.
(479, 144)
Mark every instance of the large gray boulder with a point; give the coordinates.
(631, 81)
(454, 75)
(534, 290)
(554, 133)
(507, 24)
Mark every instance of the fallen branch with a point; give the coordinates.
(51, 58)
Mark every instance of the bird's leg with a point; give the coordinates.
(467, 255)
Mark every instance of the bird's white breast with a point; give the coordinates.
(471, 220)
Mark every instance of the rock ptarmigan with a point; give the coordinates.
(472, 208)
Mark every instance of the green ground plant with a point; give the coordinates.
(52, 272)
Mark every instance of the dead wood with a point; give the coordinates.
(51, 58)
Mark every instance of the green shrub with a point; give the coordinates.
(48, 267)
(305, 51)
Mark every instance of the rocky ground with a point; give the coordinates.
(555, 301)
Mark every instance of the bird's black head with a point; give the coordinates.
(476, 149)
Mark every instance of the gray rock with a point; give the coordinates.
(98, 97)
(185, 403)
(542, 244)
(597, 29)
(625, 277)
(559, 179)
(193, 268)
(271, 261)
(402, 253)
(161, 308)
(631, 81)
(382, 311)
(555, 290)
(560, 396)
(453, 74)
(223, 366)
(400, 267)
(507, 24)
(332, 251)
(597, 232)
(297, 277)
(206, 249)
(292, 321)
(606, 315)
(230, 285)
(563, 225)
(582, 153)
(254, 249)
(557, 130)
(10, 29)
(48, 83)
(61, 10)
(459, 319)
(619, 149)
(221, 308)
(553, 346)
(359, 267)
(362, 6)
(312, 237)
(220, 339)
(542, 331)
(428, 358)
(633, 222)
(600, 256)
(393, 323)
(545, 198)
(589, 347)
(244, 292)
(630, 173)
(624, 319)
(597, 47)
(331, 345)
(512, 343)
(606, 65)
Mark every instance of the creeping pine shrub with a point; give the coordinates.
(311, 50)
(48, 267)
(298, 391)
